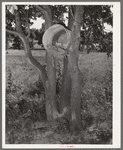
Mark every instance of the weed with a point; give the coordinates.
(25, 104)
(97, 109)
(9, 81)
(59, 70)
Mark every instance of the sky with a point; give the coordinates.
(108, 28)
(37, 23)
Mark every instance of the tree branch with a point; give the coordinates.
(58, 21)
(27, 21)
(29, 56)
(40, 8)
(28, 35)
(18, 22)
(13, 32)
(32, 60)
(48, 17)
(70, 18)
(71, 12)
(46, 10)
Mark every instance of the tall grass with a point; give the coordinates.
(25, 103)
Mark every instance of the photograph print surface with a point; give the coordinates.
(61, 75)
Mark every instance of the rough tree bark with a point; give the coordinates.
(65, 88)
(76, 80)
(72, 72)
(25, 40)
(66, 81)
(71, 84)
(71, 87)
(48, 81)
(50, 90)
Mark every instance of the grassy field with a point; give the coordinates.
(25, 103)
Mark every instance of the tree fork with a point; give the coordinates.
(51, 108)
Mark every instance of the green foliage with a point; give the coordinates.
(92, 13)
(9, 80)
(59, 74)
(97, 109)
(58, 11)
(38, 34)
(17, 43)
(94, 19)
(93, 22)
(23, 108)
(106, 43)
(10, 18)
(27, 100)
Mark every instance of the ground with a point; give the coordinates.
(25, 112)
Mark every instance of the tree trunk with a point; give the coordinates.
(25, 40)
(75, 86)
(33, 61)
(74, 70)
(71, 87)
(50, 90)
(71, 84)
(65, 89)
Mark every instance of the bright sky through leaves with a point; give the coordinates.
(38, 25)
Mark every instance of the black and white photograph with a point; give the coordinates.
(61, 75)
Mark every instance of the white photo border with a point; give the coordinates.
(116, 78)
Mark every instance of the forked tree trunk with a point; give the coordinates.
(71, 84)
(71, 87)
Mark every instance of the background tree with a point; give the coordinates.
(38, 35)
(9, 38)
(93, 23)
(70, 100)
(17, 43)
(106, 43)
(35, 34)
